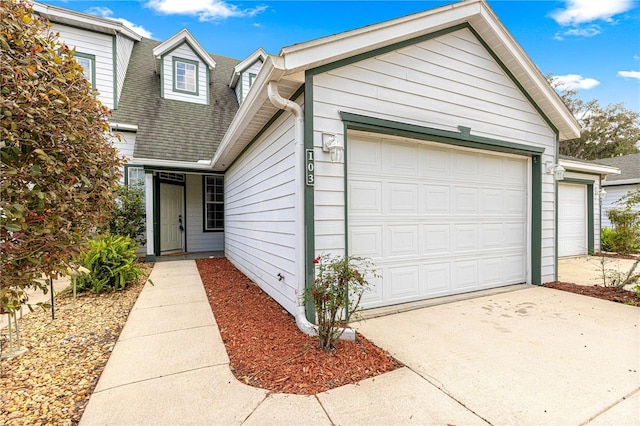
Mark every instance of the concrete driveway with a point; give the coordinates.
(530, 356)
(587, 270)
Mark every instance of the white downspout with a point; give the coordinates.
(301, 318)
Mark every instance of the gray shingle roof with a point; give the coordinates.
(170, 129)
(629, 166)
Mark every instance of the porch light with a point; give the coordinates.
(556, 170)
(333, 145)
(602, 193)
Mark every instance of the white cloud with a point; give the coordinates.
(205, 10)
(574, 82)
(629, 74)
(105, 12)
(579, 12)
(590, 31)
(636, 57)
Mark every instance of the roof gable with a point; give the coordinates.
(184, 36)
(259, 54)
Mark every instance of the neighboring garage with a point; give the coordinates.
(435, 219)
(572, 220)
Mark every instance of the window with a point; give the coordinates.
(185, 75)
(88, 64)
(135, 178)
(251, 78)
(213, 203)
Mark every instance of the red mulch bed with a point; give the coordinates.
(267, 350)
(607, 293)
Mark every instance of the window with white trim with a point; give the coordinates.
(213, 203)
(185, 75)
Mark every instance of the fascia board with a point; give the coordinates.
(184, 36)
(154, 162)
(272, 69)
(621, 182)
(123, 127)
(82, 20)
(246, 63)
(589, 168)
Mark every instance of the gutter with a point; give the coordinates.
(621, 182)
(301, 318)
(589, 167)
(196, 165)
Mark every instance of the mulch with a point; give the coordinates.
(267, 350)
(607, 293)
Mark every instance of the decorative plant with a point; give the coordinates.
(336, 294)
(128, 216)
(616, 277)
(626, 223)
(111, 260)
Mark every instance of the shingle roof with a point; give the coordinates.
(629, 166)
(170, 129)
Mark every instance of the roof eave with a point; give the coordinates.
(589, 168)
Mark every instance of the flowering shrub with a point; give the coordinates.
(336, 293)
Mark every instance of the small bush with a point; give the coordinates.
(112, 262)
(607, 236)
(626, 236)
(128, 216)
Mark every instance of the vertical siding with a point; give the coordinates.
(92, 43)
(596, 203)
(260, 221)
(197, 239)
(443, 83)
(185, 52)
(614, 193)
(124, 46)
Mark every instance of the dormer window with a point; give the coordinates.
(88, 64)
(251, 78)
(185, 75)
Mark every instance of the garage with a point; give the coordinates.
(436, 219)
(572, 219)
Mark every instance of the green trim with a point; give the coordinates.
(162, 58)
(114, 52)
(175, 61)
(272, 120)
(555, 207)
(536, 219)
(252, 77)
(92, 59)
(204, 203)
(345, 154)
(239, 84)
(590, 212)
(309, 198)
(156, 215)
(461, 138)
(207, 77)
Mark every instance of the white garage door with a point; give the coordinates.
(436, 220)
(572, 219)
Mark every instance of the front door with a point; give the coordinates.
(171, 217)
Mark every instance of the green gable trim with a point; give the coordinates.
(590, 212)
(461, 138)
(175, 60)
(309, 196)
(114, 53)
(156, 215)
(92, 59)
(162, 58)
(272, 120)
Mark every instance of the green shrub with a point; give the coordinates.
(128, 216)
(112, 262)
(606, 239)
(626, 236)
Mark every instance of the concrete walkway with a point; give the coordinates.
(170, 367)
(587, 270)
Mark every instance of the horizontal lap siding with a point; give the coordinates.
(197, 239)
(443, 83)
(260, 225)
(614, 193)
(99, 45)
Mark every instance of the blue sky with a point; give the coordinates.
(590, 45)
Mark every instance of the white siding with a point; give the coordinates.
(260, 226)
(184, 51)
(442, 83)
(243, 86)
(124, 46)
(596, 203)
(92, 43)
(614, 193)
(126, 144)
(197, 239)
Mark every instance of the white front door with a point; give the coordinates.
(572, 219)
(435, 219)
(171, 216)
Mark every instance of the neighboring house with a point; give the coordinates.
(427, 143)
(579, 197)
(619, 185)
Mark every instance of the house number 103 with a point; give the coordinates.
(310, 167)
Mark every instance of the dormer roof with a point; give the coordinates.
(184, 36)
(259, 54)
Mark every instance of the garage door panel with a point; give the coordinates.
(572, 219)
(451, 225)
(365, 155)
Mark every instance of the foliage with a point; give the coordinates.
(617, 278)
(607, 131)
(128, 216)
(59, 167)
(336, 293)
(607, 236)
(112, 262)
(626, 226)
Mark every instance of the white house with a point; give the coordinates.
(618, 186)
(427, 143)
